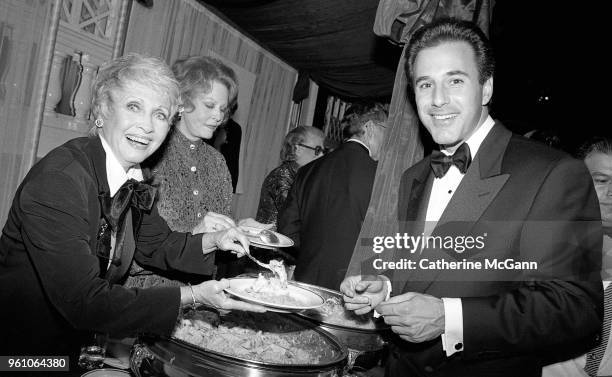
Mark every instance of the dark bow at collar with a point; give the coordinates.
(132, 193)
(440, 162)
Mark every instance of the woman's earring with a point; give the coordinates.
(99, 122)
(179, 114)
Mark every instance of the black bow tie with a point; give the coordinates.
(440, 163)
(132, 193)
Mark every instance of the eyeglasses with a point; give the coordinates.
(380, 124)
(317, 150)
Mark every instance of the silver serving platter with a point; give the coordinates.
(169, 357)
(360, 341)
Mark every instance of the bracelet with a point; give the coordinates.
(195, 303)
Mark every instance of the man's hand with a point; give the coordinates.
(415, 317)
(231, 239)
(213, 222)
(210, 293)
(362, 293)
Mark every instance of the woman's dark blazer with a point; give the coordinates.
(52, 294)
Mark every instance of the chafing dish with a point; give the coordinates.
(172, 357)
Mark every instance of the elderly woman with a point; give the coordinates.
(193, 177)
(301, 145)
(81, 215)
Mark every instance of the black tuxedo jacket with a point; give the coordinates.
(324, 212)
(529, 203)
(51, 291)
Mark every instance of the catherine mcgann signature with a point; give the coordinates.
(464, 264)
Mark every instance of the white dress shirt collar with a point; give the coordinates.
(477, 137)
(115, 174)
(362, 143)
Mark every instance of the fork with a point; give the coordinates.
(264, 265)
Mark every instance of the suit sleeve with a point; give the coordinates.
(558, 307)
(55, 223)
(157, 246)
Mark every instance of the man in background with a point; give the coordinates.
(597, 156)
(330, 196)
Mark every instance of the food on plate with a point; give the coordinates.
(272, 290)
(263, 337)
(278, 268)
(333, 312)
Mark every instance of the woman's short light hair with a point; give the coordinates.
(128, 69)
(196, 75)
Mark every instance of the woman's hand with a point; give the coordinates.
(213, 222)
(231, 239)
(210, 293)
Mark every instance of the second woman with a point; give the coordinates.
(193, 177)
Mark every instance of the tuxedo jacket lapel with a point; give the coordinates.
(415, 195)
(482, 181)
(417, 203)
(125, 243)
(477, 190)
(124, 249)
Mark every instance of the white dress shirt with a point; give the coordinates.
(442, 191)
(116, 177)
(115, 174)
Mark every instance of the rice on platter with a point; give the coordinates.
(263, 337)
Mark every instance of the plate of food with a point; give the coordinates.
(264, 238)
(270, 292)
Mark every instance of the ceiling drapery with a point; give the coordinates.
(177, 28)
(331, 41)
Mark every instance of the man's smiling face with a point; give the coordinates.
(450, 99)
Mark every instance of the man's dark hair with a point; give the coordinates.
(452, 30)
(596, 144)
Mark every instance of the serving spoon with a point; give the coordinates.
(264, 265)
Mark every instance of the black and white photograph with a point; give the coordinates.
(294, 188)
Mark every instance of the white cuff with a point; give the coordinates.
(389, 287)
(452, 338)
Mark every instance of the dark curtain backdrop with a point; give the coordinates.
(330, 40)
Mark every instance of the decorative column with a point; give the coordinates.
(6, 38)
(83, 95)
(54, 90)
(71, 79)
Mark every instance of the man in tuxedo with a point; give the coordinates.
(508, 270)
(597, 156)
(329, 199)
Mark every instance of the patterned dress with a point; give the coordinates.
(274, 191)
(193, 179)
